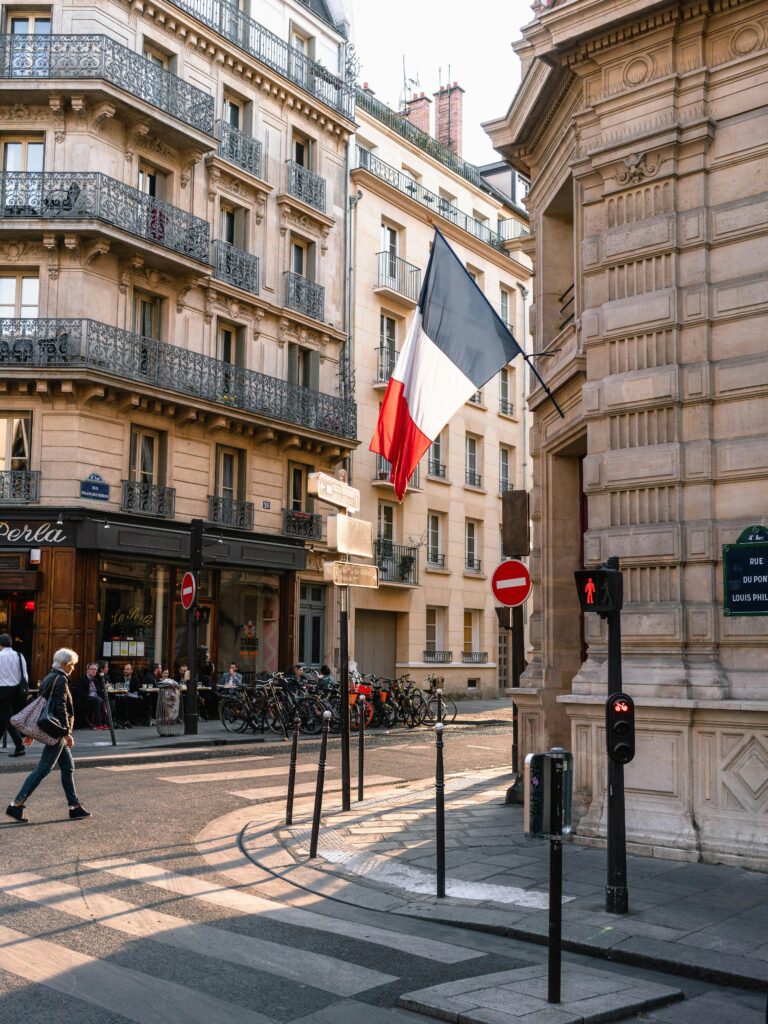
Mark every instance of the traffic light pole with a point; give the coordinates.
(195, 565)
(616, 892)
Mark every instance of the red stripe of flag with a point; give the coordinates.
(397, 438)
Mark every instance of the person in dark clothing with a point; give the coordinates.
(91, 696)
(13, 689)
(325, 680)
(152, 677)
(55, 684)
(208, 703)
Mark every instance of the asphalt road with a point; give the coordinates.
(155, 936)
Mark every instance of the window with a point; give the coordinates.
(145, 456)
(303, 258)
(146, 315)
(302, 42)
(390, 247)
(446, 205)
(435, 554)
(303, 367)
(233, 112)
(298, 499)
(19, 295)
(156, 56)
(23, 23)
(506, 469)
(471, 461)
(387, 346)
(506, 405)
(476, 275)
(232, 225)
(15, 442)
(230, 352)
(230, 475)
(435, 460)
(386, 522)
(435, 629)
(302, 150)
(151, 181)
(472, 545)
(471, 631)
(505, 306)
(23, 153)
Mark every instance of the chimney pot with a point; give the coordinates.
(448, 116)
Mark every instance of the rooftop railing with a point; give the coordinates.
(88, 344)
(306, 186)
(236, 267)
(88, 195)
(239, 148)
(97, 56)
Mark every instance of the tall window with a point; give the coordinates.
(228, 473)
(505, 311)
(298, 499)
(23, 153)
(435, 460)
(146, 315)
(506, 405)
(434, 639)
(386, 522)
(302, 150)
(145, 456)
(471, 461)
(471, 631)
(303, 367)
(15, 441)
(435, 554)
(156, 56)
(390, 245)
(471, 545)
(151, 180)
(19, 294)
(233, 112)
(506, 469)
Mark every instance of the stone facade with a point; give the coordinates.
(642, 127)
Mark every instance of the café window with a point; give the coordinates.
(148, 453)
(248, 622)
(133, 614)
(19, 295)
(15, 442)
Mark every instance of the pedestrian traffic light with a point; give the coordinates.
(599, 590)
(620, 728)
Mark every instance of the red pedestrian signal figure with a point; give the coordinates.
(589, 590)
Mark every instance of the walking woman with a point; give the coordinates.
(56, 684)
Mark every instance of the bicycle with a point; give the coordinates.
(429, 708)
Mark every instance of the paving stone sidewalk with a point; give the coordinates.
(703, 920)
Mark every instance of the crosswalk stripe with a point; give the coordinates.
(131, 994)
(270, 792)
(247, 903)
(164, 765)
(315, 969)
(245, 773)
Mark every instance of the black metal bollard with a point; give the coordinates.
(440, 810)
(555, 886)
(292, 771)
(361, 746)
(319, 788)
(439, 705)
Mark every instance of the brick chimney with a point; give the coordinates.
(417, 111)
(448, 123)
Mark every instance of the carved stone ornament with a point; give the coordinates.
(210, 304)
(259, 208)
(94, 249)
(636, 168)
(56, 104)
(50, 244)
(127, 268)
(135, 135)
(101, 114)
(258, 319)
(193, 157)
(23, 112)
(214, 178)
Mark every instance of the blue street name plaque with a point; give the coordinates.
(94, 488)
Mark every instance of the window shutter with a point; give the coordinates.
(314, 371)
(293, 364)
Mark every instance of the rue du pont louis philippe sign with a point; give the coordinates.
(745, 573)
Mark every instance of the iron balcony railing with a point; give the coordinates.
(306, 186)
(566, 308)
(472, 564)
(438, 657)
(474, 657)
(399, 276)
(236, 267)
(510, 228)
(436, 469)
(505, 485)
(384, 471)
(306, 525)
(472, 479)
(265, 46)
(304, 296)
(88, 344)
(19, 486)
(387, 358)
(97, 56)
(230, 512)
(506, 407)
(435, 559)
(239, 148)
(397, 563)
(89, 195)
(147, 499)
(439, 205)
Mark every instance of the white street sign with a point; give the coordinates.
(329, 489)
(350, 574)
(350, 536)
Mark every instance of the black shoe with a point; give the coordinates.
(20, 752)
(15, 812)
(79, 812)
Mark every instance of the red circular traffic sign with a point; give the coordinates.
(511, 583)
(187, 590)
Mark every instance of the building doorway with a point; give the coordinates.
(311, 625)
(17, 618)
(376, 642)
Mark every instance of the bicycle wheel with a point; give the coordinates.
(429, 716)
(310, 713)
(234, 715)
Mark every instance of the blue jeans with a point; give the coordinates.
(58, 752)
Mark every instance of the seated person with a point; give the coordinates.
(91, 696)
(152, 676)
(232, 677)
(294, 678)
(131, 684)
(325, 680)
(183, 673)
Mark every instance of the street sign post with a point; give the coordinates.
(195, 565)
(511, 583)
(335, 492)
(350, 536)
(188, 590)
(350, 574)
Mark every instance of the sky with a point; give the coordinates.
(433, 36)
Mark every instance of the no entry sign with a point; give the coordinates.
(187, 591)
(511, 583)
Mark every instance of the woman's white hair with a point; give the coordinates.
(65, 656)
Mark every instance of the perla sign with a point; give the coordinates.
(34, 534)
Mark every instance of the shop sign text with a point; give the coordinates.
(37, 534)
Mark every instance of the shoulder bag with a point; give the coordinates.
(29, 721)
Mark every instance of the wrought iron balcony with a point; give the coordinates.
(88, 195)
(397, 563)
(99, 57)
(399, 276)
(436, 469)
(88, 344)
(472, 479)
(384, 471)
(236, 267)
(435, 559)
(306, 186)
(306, 525)
(230, 512)
(566, 307)
(438, 657)
(506, 408)
(239, 148)
(19, 486)
(472, 564)
(148, 499)
(505, 485)
(249, 35)
(510, 228)
(474, 657)
(405, 184)
(387, 358)
(304, 296)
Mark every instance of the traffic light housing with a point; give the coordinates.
(599, 590)
(620, 727)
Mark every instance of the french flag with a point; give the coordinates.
(455, 344)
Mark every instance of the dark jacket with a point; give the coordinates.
(57, 685)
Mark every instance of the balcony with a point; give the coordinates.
(385, 364)
(510, 228)
(304, 296)
(72, 196)
(396, 563)
(437, 204)
(98, 57)
(397, 278)
(19, 486)
(147, 499)
(472, 479)
(474, 657)
(265, 46)
(235, 267)
(566, 308)
(384, 471)
(305, 186)
(472, 564)
(77, 344)
(436, 469)
(239, 148)
(438, 657)
(505, 485)
(230, 512)
(435, 560)
(506, 408)
(304, 525)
